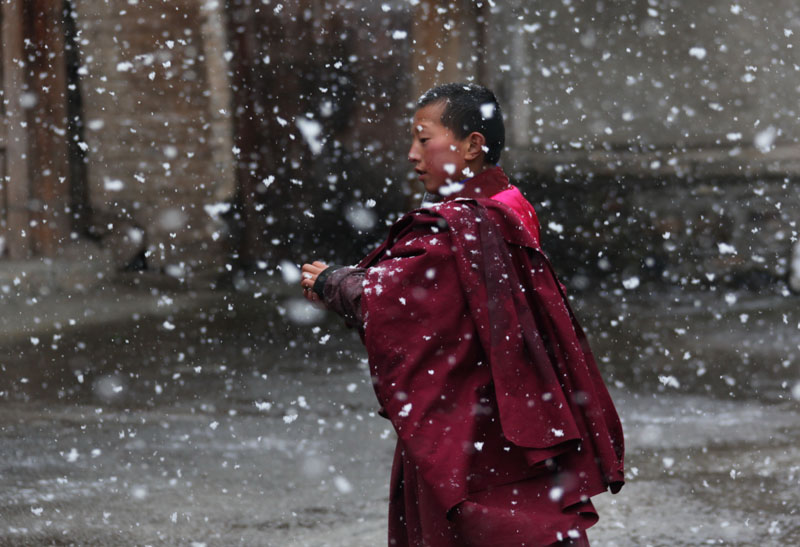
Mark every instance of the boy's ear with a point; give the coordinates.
(476, 143)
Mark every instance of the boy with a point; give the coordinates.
(505, 428)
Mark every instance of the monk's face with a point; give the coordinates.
(438, 156)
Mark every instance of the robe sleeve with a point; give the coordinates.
(341, 290)
(425, 369)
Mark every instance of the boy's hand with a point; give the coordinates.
(309, 274)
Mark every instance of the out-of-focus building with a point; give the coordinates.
(195, 136)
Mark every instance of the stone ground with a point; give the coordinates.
(157, 416)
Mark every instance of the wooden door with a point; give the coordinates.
(34, 167)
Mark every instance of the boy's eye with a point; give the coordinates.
(423, 140)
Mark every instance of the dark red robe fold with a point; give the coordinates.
(505, 426)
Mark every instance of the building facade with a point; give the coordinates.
(198, 136)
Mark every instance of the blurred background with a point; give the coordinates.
(167, 165)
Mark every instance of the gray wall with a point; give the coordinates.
(649, 86)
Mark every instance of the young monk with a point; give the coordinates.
(505, 427)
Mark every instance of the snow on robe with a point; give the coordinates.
(505, 427)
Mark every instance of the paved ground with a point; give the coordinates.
(176, 418)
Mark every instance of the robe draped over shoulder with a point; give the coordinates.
(505, 427)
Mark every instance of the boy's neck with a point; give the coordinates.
(490, 181)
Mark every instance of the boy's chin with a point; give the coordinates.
(433, 187)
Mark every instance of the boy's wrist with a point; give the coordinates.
(319, 282)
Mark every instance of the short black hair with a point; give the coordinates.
(468, 108)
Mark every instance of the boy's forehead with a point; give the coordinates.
(426, 116)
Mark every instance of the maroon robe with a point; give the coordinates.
(505, 427)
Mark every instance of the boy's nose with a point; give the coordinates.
(413, 155)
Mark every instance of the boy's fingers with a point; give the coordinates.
(314, 268)
(309, 274)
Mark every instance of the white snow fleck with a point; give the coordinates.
(405, 410)
(351, 387)
(743, 317)
(37, 510)
(399, 35)
(72, 455)
(729, 380)
(556, 493)
(361, 217)
(324, 339)
(530, 29)
(214, 425)
(289, 418)
(796, 391)
(342, 484)
(734, 136)
(174, 517)
(726, 249)
(450, 188)
(765, 139)
(34, 341)
(311, 130)
(698, 52)
(216, 209)
(113, 185)
(669, 381)
(630, 283)
(668, 462)
(555, 227)
(487, 111)
(736, 9)
(281, 121)
(168, 326)
(263, 406)
(478, 445)
(124, 66)
(449, 168)
(430, 273)
(289, 271)
(730, 298)
(557, 432)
